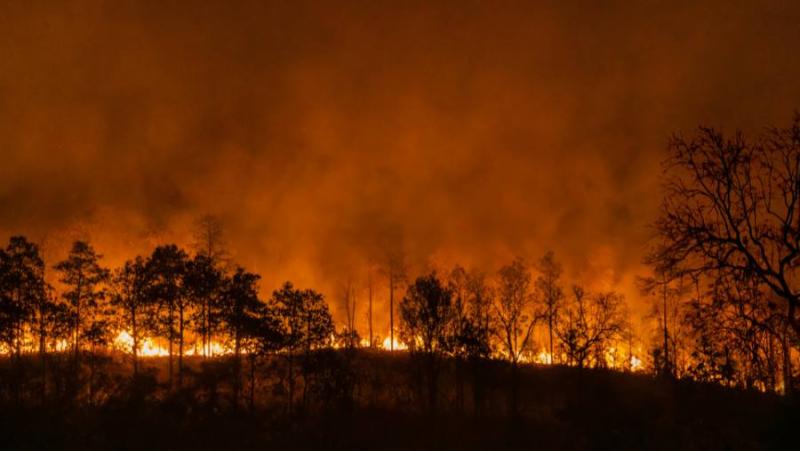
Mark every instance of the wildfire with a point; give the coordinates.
(398, 346)
(544, 358)
(150, 348)
(124, 342)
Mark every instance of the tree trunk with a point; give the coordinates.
(291, 383)
(433, 386)
(787, 364)
(514, 390)
(667, 366)
(180, 347)
(170, 339)
(43, 354)
(370, 311)
(135, 331)
(77, 347)
(391, 311)
(550, 329)
(237, 371)
(252, 400)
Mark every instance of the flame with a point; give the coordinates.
(398, 346)
(544, 358)
(636, 363)
(150, 348)
(147, 348)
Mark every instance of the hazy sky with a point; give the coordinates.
(321, 132)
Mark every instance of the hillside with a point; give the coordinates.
(376, 400)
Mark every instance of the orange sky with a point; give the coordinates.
(321, 131)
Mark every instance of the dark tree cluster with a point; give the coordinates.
(727, 258)
(167, 296)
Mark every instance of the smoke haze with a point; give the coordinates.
(323, 134)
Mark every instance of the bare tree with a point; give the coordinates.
(370, 293)
(589, 325)
(550, 294)
(209, 239)
(514, 309)
(395, 271)
(348, 298)
(731, 206)
(515, 318)
(666, 291)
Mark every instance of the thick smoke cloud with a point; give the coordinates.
(322, 133)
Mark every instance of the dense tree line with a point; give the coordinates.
(175, 298)
(723, 292)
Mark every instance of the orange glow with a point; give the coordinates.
(398, 346)
(147, 348)
(543, 357)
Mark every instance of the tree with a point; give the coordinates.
(515, 320)
(209, 239)
(550, 294)
(249, 322)
(308, 325)
(667, 292)
(395, 272)
(165, 270)
(730, 208)
(589, 324)
(738, 336)
(470, 328)
(476, 331)
(426, 312)
(22, 291)
(348, 297)
(513, 310)
(129, 295)
(85, 280)
(370, 292)
(203, 281)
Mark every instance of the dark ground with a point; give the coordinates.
(559, 408)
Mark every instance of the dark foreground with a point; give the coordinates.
(386, 408)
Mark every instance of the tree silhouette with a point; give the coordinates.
(130, 296)
(395, 271)
(209, 239)
(85, 280)
(668, 294)
(165, 270)
(731, 208)
(426, 313)
(470, 334)
(22, 290)
(348, 297)
(249, 322)
(307, 325)
(514, 317)
(589, 324)
(550, 294)
(204, 281)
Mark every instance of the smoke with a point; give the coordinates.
(324, 134)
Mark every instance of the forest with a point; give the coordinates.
(188, 337)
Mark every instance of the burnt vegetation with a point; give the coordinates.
(180, 349)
